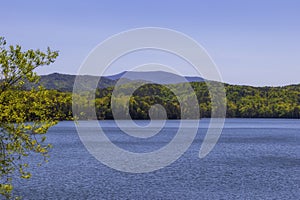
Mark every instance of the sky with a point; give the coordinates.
(255, 42)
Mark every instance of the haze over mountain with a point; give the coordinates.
(65, 82)
(155, 76)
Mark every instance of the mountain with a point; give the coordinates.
(161, 77)
(65, 82)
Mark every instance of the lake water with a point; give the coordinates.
(253, 159)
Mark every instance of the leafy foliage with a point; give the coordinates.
(25, 115)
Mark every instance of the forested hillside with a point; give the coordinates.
(242, 101)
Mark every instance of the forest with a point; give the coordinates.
(241, 101)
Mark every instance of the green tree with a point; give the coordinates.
(25, 116)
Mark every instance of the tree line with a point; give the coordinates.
(241, 101)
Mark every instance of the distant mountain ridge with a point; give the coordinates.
(154, 76)
(65, 82)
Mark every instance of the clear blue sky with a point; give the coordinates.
(255, 42)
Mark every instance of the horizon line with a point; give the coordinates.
(189, 76)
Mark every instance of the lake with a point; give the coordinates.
(253, 159)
